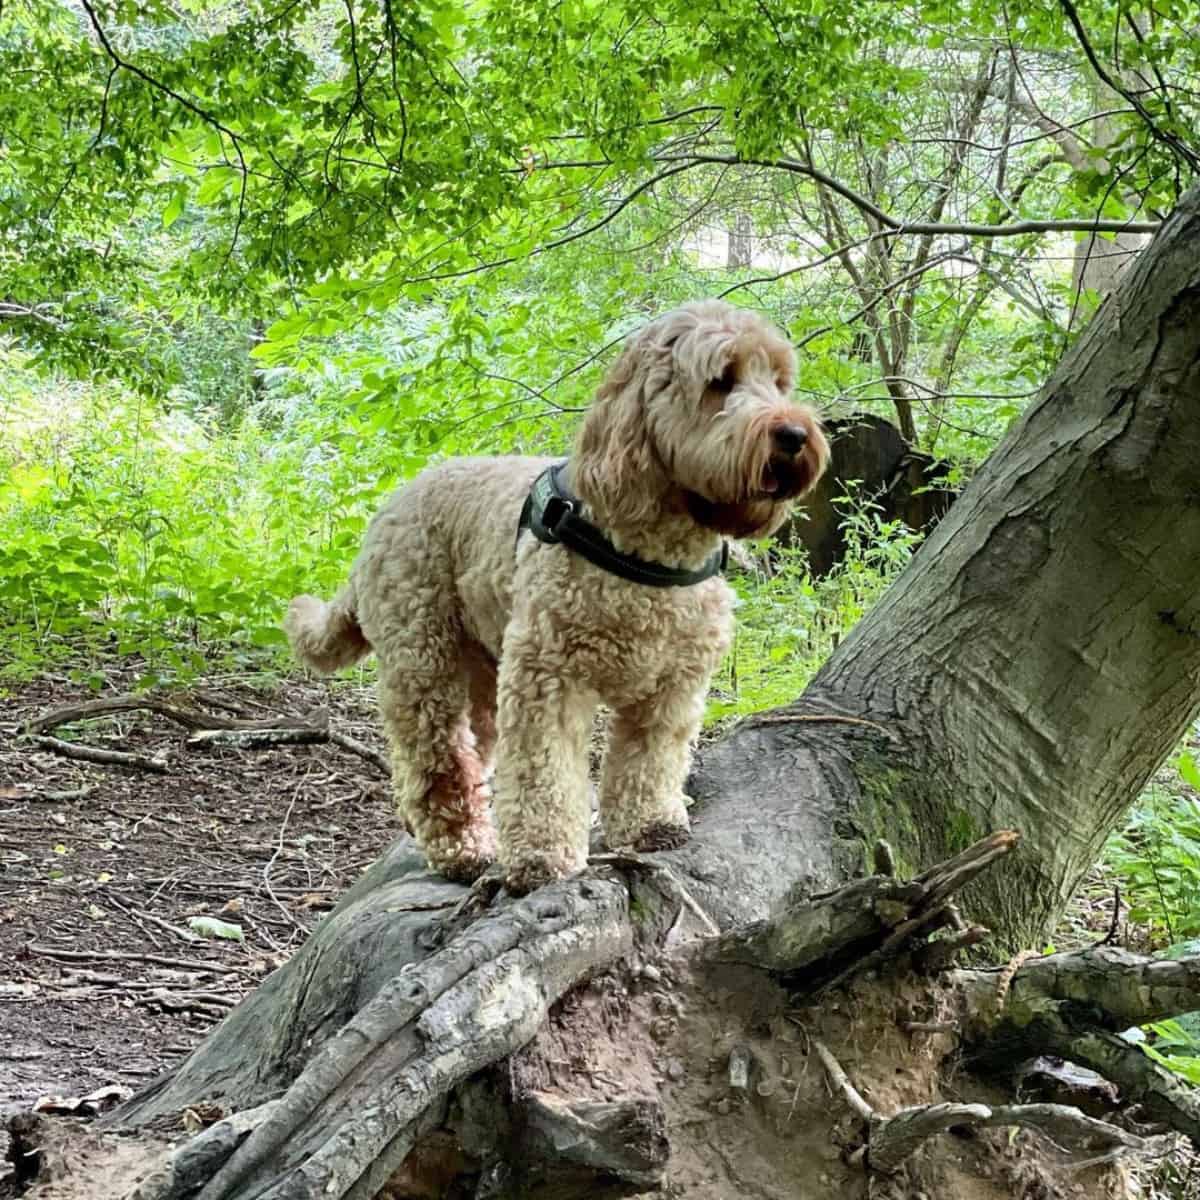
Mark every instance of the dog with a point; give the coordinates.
(506, 598)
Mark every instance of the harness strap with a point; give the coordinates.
(551, 514)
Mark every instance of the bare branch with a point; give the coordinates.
(965, 228)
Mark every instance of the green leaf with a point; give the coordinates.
(1188, 770)
(211, 927)
(174, 208)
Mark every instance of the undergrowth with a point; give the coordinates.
(1155, 859)
(138, 530)
(788, 624)
(128, 529)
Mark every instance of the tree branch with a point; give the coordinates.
(208, 118)
(1169, 140)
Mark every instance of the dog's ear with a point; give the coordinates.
(615, 466)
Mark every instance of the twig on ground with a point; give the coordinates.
(186, 964)
(256, 739)
(208, 729)
(49, 797)
(266, 871)
(346, 742)
(111, 758)
(187, 717)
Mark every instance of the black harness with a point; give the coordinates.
(551, 514)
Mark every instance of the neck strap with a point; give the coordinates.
(551, 514)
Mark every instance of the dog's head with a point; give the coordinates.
(698, 411)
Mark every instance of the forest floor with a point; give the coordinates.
(104, 984)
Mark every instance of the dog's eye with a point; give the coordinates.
(724, 383)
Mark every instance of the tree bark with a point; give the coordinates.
(1041, 655)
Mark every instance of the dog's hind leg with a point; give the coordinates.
(542, 800)
(645, 768)
(481, 688)
(437, 774)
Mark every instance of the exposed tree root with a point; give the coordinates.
(352, 1116)
(823, 940)
(347, 1124)
(1073, 1006)
(892, 1140)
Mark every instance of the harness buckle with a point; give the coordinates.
(555, 511)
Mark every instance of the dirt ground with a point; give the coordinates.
(103, 982)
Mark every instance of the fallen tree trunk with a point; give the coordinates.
(660, 1019)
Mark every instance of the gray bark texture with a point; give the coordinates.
(1035, 663)
(1041, 655)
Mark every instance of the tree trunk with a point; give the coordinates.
(1041, 655)
(740, 252)
(1030, 669)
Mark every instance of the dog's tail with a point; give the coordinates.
(323, 635)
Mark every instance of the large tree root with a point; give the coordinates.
(379, 1081)
(352, 1116)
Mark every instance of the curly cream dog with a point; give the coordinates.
(489, 643)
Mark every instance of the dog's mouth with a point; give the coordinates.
(782, 479)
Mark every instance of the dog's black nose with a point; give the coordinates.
(790, 439)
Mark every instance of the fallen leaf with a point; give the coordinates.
(200, 1116)
(211, 927)
(93, 1103)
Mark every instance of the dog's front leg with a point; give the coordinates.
(541, 796)
(645, 767)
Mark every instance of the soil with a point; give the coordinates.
(776, 1130)
(103, 983)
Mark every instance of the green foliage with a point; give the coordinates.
(325, 163)
(135, 529)
(788, 623)
(1156, 858)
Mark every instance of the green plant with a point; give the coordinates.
(128, 526)
(789, 623)
(1156, 857)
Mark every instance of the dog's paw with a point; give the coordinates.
(466, 856)
(532, 871)
(661, 835)
(466, 869)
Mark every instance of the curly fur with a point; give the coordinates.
(485, 651)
